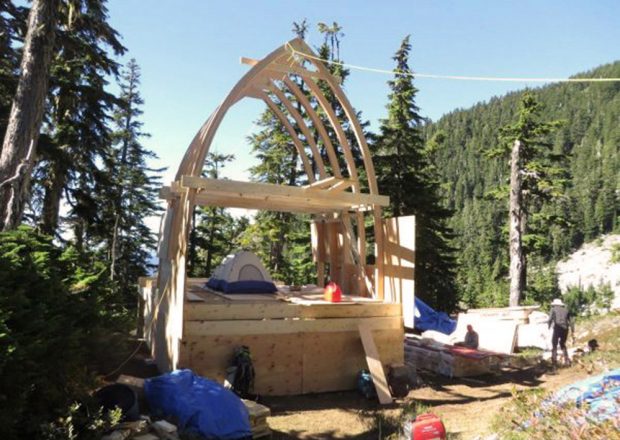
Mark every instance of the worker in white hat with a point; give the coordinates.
(561, 320)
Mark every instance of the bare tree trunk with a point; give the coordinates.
(517, 277)
(54, 186)
(22, 133)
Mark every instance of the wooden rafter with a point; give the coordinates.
(317, 123)
(295, 195)
(303, 127)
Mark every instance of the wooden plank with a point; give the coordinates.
(316, 154)
(322, 311)
(207, 199)
(318, 125)
(277, 359)
(374, 365)
(323, 183)
(277, 326)
(262, 311)
(284, 69)
(234, 188)
(400, 272)
(332, 361)
(227, 311)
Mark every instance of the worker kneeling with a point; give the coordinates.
(471, 339)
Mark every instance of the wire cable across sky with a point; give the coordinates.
(449, 77)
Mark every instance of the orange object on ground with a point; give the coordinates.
(425, 427)
(332, 292)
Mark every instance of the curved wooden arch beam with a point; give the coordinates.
(235, 94)
(291, 131)
(318, 124)
(342, 138)
(368, 165)
(349, 240)
(349, 111)
(302, 126)
(190, 155)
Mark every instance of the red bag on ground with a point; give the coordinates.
(425, 427)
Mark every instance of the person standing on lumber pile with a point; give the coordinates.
(561, 319)
(471, 339)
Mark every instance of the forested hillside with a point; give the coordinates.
(588, 139)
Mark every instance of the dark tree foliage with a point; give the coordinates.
(80, 109)
(406, 174)
(589, 144)
(133, 191)
(55, 306)
(215, 231)
(12, 30)
(536, 176)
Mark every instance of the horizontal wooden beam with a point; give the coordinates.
(296, 196)
(331, 184)
(279, 326)
(284, 68)
(197, 311)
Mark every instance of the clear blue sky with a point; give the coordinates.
(189, 53)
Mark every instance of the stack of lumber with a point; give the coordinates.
(448, 360)
(258, 419)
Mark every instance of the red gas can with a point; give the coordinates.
(425, 427)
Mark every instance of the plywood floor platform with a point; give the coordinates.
(299, 343)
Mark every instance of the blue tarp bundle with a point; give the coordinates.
(426, 318)
(200, 405)
(600, 393)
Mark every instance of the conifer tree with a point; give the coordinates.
(133, 197)
(17, 156)
(215, 231)
(405, 173)
(534, 176)
(80, 109)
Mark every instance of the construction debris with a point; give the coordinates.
(258, 419)
(448, 360)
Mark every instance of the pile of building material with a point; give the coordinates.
(448, 360)
(258, 419)
(501, 330)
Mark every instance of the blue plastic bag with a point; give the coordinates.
(201, 406)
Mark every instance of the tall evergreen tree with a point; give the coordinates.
(80, 110)
(534, 176)
(17, 157)
(405, 174)
(134, 192)
(215, 231)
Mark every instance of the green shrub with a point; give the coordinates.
(53, 305)
(582, 302)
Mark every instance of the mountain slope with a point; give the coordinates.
(589, 141)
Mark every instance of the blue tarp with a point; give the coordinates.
(600, 395)
(426, 318)
(199, 405)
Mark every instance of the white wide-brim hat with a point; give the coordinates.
(557, 302)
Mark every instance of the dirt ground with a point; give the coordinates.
(466, 406)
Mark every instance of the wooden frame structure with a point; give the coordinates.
(333, 195)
